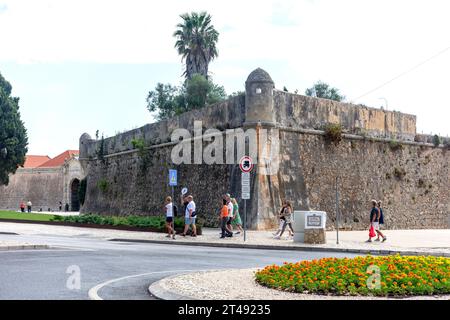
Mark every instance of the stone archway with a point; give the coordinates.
(74, 198)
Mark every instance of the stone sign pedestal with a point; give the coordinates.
(315, 236)
(309, 226)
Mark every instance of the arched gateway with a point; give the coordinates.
(74, 198)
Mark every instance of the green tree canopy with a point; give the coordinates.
(196, 93)
(13, 135)
(323, 90)
(196, 41)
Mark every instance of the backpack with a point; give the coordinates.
(175, 210)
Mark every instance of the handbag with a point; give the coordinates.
(372, 232)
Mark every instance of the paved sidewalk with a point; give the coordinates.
(414, 242)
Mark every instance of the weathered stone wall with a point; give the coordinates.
(299, 111)
(43, 187)
(413, 182)
(138, 185)
(224, 115)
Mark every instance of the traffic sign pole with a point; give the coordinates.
(246, 166)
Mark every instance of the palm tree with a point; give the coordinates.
(196, 43)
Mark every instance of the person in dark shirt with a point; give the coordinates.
(375, 220)
(380, 222)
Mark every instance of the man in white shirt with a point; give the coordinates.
(190, 216)
(230, 212)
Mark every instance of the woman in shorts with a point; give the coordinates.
(169, 218)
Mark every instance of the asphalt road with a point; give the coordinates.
(43, 274)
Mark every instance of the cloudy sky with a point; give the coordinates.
(81, 66)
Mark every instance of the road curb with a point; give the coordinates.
(290, 248)
(157, 291)
(24, 247)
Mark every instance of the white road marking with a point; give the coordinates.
(93, 292)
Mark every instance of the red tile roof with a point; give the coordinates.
(35, 161)
(59, 160)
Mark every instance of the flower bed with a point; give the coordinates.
(397, 276)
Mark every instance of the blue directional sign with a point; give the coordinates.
(172, 177)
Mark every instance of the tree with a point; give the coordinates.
(323, 90)
(196, 43)
(13, 135)
(196, 93)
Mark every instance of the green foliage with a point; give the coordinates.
(82, 191)
(25, 216)
(394, 145)
(436, 140)
(195, 93)
(13, 135)
(155, 222)
(196, 41)
(333, 133)
(323, 90)
(399, 276)
(139, 144)
(103, 185)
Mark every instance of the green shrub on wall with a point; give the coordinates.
(395, 145)
(436, 140)
(103, 185)
(333, 133)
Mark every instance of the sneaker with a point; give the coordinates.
(277, 237)
(377, 239)
(221, 237)
(193, 235)
(168, 236)
(183, 234)
(238, 232)
(173, 237)
(384, 239)
(370, 240)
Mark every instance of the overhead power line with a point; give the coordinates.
(405, 72)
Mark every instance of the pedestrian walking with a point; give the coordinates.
(190, 216)
(224, 212)
(29, 204)
(380, 222)
(22, 206)
(281, 219)
(237, 221)
(375, 221)
(169, 218)
(60, 206)
(288, 210)
(230, 212)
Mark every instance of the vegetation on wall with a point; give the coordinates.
(333, 133)
(394, 145)
(103, 185)
(436, 140)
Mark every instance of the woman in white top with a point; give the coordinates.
(169, 217)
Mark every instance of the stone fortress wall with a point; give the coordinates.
(44, 187)
(412, 178)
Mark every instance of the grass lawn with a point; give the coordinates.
(25, 216)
